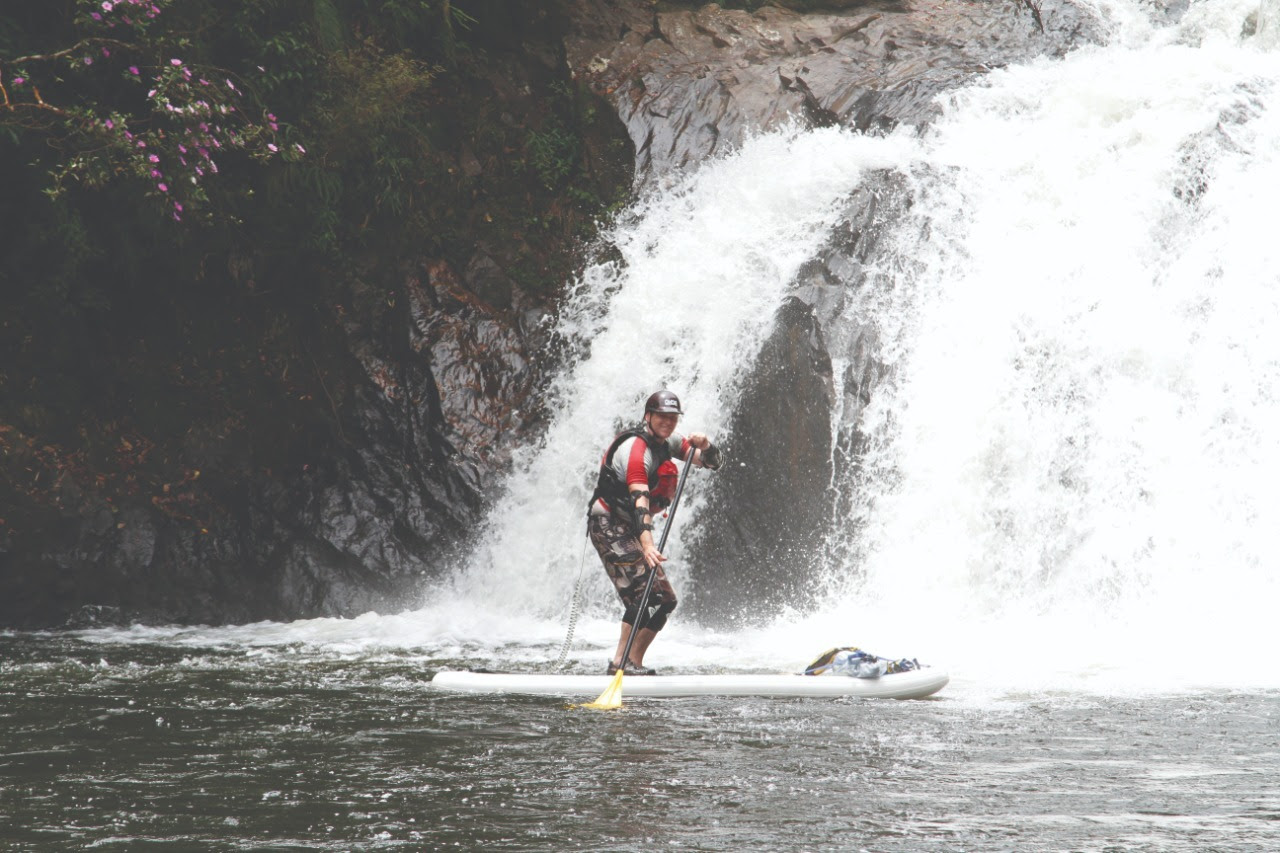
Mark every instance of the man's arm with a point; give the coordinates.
(652, 556)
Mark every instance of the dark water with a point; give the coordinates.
(153, 747)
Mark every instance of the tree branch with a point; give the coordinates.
(39, 104)
(78, 46)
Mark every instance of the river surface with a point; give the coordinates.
(184, 746)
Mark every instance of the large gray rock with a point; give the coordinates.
(690, 83)
(759, 524)
(796, 430)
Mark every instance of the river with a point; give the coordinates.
(179, 743)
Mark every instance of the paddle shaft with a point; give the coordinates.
(662, 543)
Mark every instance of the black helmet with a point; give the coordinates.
(663, 401)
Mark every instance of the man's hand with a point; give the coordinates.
(699, 440)
(652, 556)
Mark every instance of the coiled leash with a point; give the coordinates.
(575, 608)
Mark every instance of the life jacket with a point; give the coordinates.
(612, 488)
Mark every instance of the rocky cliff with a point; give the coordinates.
(431, 365)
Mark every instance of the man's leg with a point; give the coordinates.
(638, 648)
(622, 643)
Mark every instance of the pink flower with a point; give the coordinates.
(177, 205)
(182, 148)
(88, 61)
(155, 173)
(109, 124)
(301, 150)
(106, 5)
(272, 148)
(164, 188)
(133, 69)
(154, 158)
(175, 62)
(106, 52)
(97, 16)
(18, 81)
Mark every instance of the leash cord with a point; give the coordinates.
(575, 608)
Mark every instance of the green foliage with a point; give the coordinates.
(394, 137)
(94, 113)
(553, 154)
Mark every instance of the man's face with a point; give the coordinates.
(662, 424)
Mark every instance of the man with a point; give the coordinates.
(634, 481)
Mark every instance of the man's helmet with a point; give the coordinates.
(663, 401)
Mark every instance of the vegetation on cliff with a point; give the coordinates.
(191, 189)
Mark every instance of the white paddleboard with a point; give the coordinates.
(916, 684)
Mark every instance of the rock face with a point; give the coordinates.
(762, 513)
(690, 83)
(796, 429)
(355, 528)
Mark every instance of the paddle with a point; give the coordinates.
(611, 698)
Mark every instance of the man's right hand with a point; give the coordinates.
(652, 556)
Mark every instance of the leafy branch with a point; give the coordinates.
(170, 140)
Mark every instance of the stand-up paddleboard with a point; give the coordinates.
(916, 684)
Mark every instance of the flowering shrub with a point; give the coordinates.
(92, 105)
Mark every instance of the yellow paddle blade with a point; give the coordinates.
(611, 698)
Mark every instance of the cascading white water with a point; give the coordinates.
(1075, 455)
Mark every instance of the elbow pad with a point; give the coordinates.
(639, 516)
(712, 457)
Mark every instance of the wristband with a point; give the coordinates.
(712, 457)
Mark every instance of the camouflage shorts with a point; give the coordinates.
(619, 550)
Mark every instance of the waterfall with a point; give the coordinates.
(693, 277)
(1075, 453)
